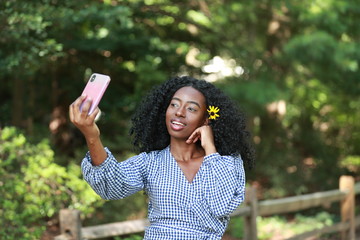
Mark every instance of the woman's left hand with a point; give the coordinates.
(206, 136)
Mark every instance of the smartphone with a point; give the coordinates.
(95, 89)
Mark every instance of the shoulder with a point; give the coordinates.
(225, 161)
(153, 156)
(217, 157)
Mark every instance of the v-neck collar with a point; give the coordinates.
(180, 171)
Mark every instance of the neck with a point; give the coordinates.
(182, 151)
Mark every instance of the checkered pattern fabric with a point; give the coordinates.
(177, 208)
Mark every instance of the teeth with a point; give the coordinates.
(178, 123)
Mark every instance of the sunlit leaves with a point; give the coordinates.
(33, 187)
(165, 20)
(172, 9)
(199, 18)
(352, 163)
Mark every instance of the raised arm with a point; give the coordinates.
(86, 124)
(115, 180)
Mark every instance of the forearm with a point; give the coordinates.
(97, 151)
(112, 179)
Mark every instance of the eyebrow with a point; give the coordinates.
(193, 102)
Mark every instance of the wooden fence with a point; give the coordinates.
(71, 229)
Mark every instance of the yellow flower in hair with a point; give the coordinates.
(213, 112)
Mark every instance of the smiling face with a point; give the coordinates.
(185, 113)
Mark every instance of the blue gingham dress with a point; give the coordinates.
(178, 209)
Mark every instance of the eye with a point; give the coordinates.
(174, 105)
(191, 109)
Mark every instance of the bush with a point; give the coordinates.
(33, 188)
(281, 227)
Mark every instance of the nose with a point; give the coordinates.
(180, 112)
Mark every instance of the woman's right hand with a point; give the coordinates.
(80, 118)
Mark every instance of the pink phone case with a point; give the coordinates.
(95, 89)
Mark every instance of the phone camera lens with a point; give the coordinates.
(92, 78)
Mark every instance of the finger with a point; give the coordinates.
(85, 108)
(94, 114)
(79, 100)
(75, 106)
(98, 115)
(189, 141)
(71, 113)
(196, 139)
(194, 136)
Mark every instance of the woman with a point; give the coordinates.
(192, 143)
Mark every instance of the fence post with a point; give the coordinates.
(70, 225)
(348, 206)
(250, 228)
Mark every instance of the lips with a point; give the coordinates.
(177, 125)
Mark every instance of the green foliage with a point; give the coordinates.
(236, 227)
(280, 227)
(25, 41)
(133, 207)
(132, 237)
(352, 163)
(34, 188)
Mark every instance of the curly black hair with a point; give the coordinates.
(149, 130)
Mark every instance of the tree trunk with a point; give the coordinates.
(17, 103)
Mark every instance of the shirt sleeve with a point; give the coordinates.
(223, 185)
(115, 180)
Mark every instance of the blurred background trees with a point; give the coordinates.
(293, 67)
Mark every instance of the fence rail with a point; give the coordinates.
(71, 229)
